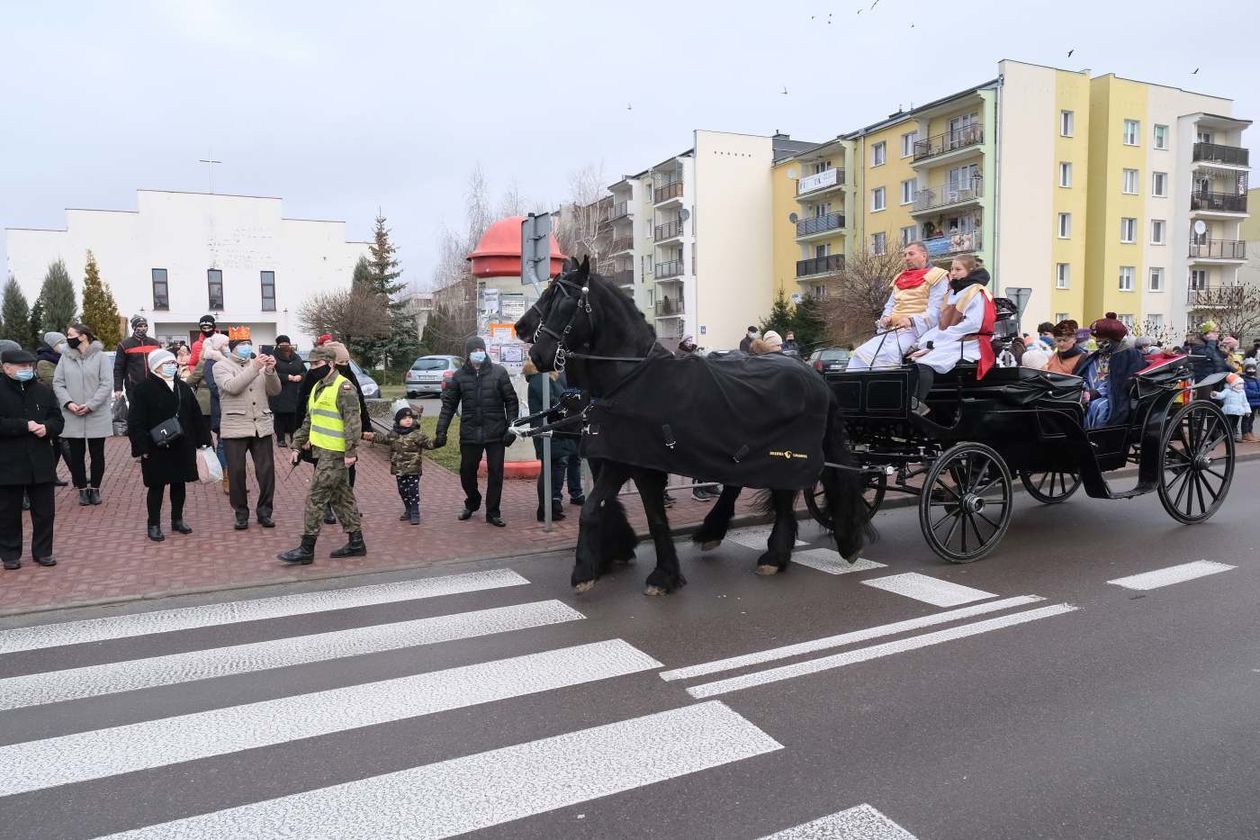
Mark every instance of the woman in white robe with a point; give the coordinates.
(962, 317)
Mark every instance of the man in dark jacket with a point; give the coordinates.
(487, 403)
(130, 367)
(29, 420)
(206, 327)
(292, 375)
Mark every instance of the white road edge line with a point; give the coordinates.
(80, 757)
(233, 612)
(930, 590)
(113, 677)
(1171, 575)
(860, 823)
(490, 788)
(813, 645)
(852, 657)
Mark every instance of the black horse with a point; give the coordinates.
(591, 329)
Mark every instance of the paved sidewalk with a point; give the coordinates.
(103, 554)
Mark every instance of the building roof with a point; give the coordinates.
(893, 119)
(784, 146)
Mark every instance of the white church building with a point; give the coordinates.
(181, 255)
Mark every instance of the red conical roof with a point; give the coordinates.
(498, 254)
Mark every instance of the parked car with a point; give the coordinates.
(829, 359)
(430, 374)
(371, 390)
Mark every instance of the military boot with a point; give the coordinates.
(354, 548)
(303, 555)
(413, 513)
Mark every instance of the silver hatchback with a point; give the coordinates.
(429, 374)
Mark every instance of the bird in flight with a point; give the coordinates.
(1070, 52)
(629, 107)
(1196, 72)
(876, 3)
(785, 90)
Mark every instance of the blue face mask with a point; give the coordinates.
(477, 356)
(244, 351)
(25, 375)
(169, 370)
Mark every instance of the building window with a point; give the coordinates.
(820, 292)
(1161, 136)
(1130, 186)
(1155, 321)
(879, 153)
(1155, 282)
(907, 143)
(268, 279)
(1131, 129)
(1127, 319)
(1128, 230)
(1203, 136)
(821, 166)
(1065, 225)
(1065, 174)
(1067, 123)
(907, 235)
(1126, 278)
(1062, 276)
(877, 199)
(161, 291)
(1159, 184)
(1198, 279)
(214, 280)
(879, 244)
(1059, 317)
(907, 190)
(1158, 232)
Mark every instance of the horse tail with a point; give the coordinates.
(852, 527)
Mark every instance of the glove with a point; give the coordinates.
(295, 457)
(439, 440)
(509, 438)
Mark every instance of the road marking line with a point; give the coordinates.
(112, 677)
(141, 746)
(1171, 575)
(213, 615)
(813, 645)
(839, 660)
(860, 823)
(939, 593)
(754, 538)
(829, 560)
(490, 788)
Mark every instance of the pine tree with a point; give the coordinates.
(362, 278)
(100, 311)
(378, 272)
(17, 316)
(780, 318)
(383, 263)
(37, 321)
(809, 322)
(57, 296)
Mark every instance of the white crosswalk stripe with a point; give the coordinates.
(212, 615)
(1173, 574)
(860, 823)
(939, 593)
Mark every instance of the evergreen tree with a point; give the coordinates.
(57, 296)
(17, 316)
(383, 263)
(379, 273)
(100, 311)
(809, 322)
(780, 318)
(37, 321)
(362, 278)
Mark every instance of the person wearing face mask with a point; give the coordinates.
(341, 361)
(206, 327)
(211, 354)
(487, 403)
(81, 383)
(292, 373)
(130, 367)
(1107, 372)
(47, 355)
(750, 335)
(161, 397)
(29, 420)
(246, 382)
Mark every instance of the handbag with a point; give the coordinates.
(169, 430)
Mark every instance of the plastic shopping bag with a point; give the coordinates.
(208, 467)
(119, 415)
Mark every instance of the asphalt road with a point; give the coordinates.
(1029, 696)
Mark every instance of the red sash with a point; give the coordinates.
(911, 278)
(985, 338)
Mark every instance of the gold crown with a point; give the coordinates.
(238, 333)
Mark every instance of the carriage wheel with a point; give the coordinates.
(965, 507)
(1196, 464)
(873, 497)
(1050, 488)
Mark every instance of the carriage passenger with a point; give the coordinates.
(912, 309)
(1107, 372)
(1068, 353)
(963, 328)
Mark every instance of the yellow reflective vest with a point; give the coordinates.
(328, 430)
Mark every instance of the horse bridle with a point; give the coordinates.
(563, 353)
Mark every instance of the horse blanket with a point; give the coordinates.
(750, 421)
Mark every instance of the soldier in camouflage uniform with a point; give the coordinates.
(331, 433)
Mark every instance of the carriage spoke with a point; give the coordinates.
(1184, 488)
(964, 518)
(1198, 489)
(1207, 485)
(1041, 485)
(950, 534)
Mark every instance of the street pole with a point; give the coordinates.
(535, 248)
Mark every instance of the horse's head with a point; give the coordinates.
(560, 320)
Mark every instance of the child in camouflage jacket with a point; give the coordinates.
(406, 462)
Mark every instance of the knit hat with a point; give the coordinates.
(52, 339)
(407, 411)
(1109, 327)
(7, 344)
(206, 320)
(773, 340)
(158, 358)
(1065, 329)
(323, 339)
(474, 343)
(1209, 326)
(1232, 378)
(137, 320)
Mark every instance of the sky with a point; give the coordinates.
(342, 108)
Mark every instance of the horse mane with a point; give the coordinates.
(617, 299)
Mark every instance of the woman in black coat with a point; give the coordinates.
(158, 398)
(284, 406)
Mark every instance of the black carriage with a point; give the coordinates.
(962, 458)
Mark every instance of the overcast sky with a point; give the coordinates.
(341, 107)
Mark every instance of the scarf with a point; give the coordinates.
(1075, 351)
(911, 278)
(979, 275)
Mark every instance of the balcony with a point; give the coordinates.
(1224, 155)
(669, 308)
(622, 243)
(956, 243)
(673, 268)
(1218, 202)
(820, 181)
(623, 278)
(1214, 297)
(668, 192)
(1218, 249)
(669, 230)
(947, 195)
(820, 265)
(950, 141)
(619, 211)
(819, 224)
(670, 335)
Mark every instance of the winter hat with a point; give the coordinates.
(1233, 379)
(323, 339)
(7, 344)
(1110, 327)
(206, 321)
(158, 358)
(1209, 326)
(1067, 328)
(283, 339)
(322, 353)
(773, 340)
(474, 343)
(341, 356)
(407, 411)
(52, 339)
(16, 356)
(137, 320)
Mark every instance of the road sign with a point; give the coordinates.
(535, 249)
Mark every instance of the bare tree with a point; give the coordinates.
(1164, 334)
(1235, 309)
(583, 227)
(856, 297)
(353, 314)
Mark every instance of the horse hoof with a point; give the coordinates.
(624, 561)
(655, 590)
(710, 545)
(767, 570)
(853, 559)
(584, 586)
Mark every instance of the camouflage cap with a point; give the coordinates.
(322, 354)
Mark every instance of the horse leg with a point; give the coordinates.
(844, 488)
(782, 536)
(589, 562)
(713, 530)
(617, 536)
(667, 576)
